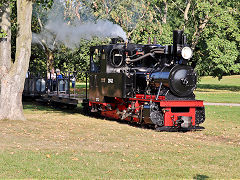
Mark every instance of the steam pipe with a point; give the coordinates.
(158, 50)
(141, 57)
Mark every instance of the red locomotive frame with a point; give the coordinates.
(117, 109)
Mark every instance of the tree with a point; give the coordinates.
(46, 39)
(13, 73)
(213, 32)
(214, 28)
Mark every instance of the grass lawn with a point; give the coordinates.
(58, 144)
(226, 90)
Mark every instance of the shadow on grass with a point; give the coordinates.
(32, 105)
(200, 177)
(37, 106)
(218, 87)
(142, 126)
(28, 105)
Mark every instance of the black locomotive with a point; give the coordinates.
(148, 84)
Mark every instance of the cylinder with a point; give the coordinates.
(180, 79)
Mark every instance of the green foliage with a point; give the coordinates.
(212, 27)
(44, 3)
(2, 33)
(38, 61)
(218, 49)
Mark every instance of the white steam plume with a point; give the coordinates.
(71, 35)
(58, 31)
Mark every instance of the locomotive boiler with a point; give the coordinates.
(147, 84)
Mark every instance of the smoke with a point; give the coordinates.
(59, 31)
(71, 35)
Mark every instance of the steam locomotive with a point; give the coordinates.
(146, 84)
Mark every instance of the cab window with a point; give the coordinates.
(95, 61)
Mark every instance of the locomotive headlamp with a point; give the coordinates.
(187, 52)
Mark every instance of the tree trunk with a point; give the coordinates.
(12, 82)
(11, 98)
(186, 13)
(5, 43)
(199, 30)
(50, 59)
(77, 11)
(164, 19)
(187, 10)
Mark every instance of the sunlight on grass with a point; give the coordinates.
(55, 144)
(219, 97)
(226, 90)
(226, 80)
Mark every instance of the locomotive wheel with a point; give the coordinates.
(86, 108)
(156, 115)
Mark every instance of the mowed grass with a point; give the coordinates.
(220, 97)
(57, 144)
(226, 90)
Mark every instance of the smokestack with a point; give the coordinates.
(177, 40)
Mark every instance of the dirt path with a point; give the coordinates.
(221, 104)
